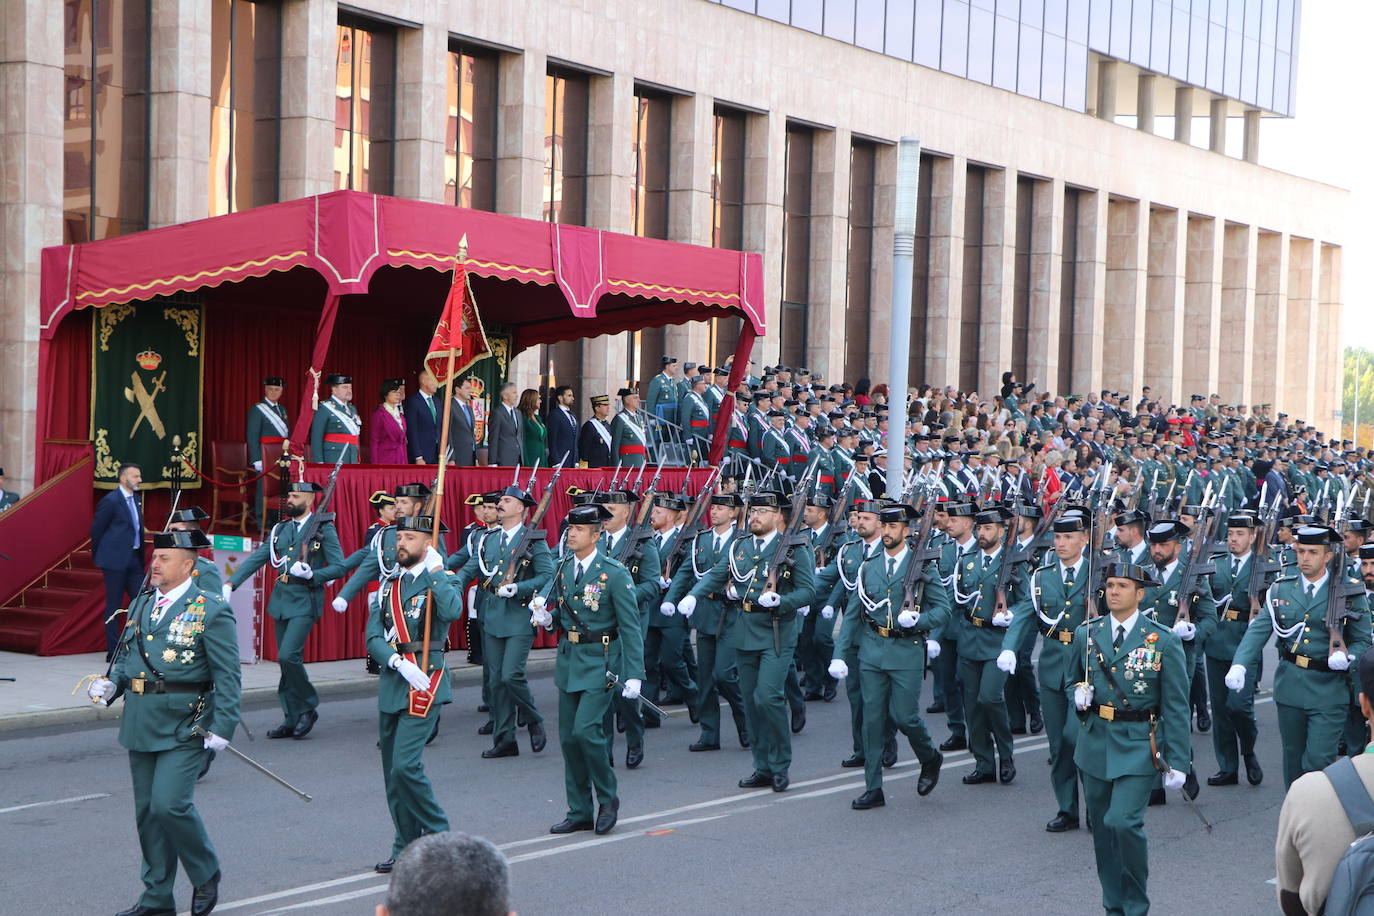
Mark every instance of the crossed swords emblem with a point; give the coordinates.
(147, 408)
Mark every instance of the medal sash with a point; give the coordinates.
(419, 702)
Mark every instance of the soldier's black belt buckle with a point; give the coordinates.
(136, 685)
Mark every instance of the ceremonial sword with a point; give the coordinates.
(613, 680)
(197, 730)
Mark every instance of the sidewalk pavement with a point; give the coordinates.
(41, 694)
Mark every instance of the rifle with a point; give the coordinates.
(521, 554)
(632, 546)
(1264, 561)
(693, 525)
(914, 583)
(791, 538)
(837, 515)
(1338, 593)
(318, 517)
(1198, 563)
(1097, 529)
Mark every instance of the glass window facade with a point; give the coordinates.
(796, 245)
(652, 152)
(364, 106)
(470, 139)
(728, 155)
(245, 98)
(566, 98)
(863, 161)
(106, 118)
(1244, 49)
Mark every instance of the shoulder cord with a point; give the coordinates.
(277, 561)
(839, 564)
(481, 563)
(383, 569)
(739, 577)
(869, 604)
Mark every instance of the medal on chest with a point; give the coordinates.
(592, 592)
(186, 627)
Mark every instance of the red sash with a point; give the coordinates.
(272, 439)
(826, 478)
(700, 423)
(419, 702)
(784, 461)
(632, 450)
(340, 439)
(738, 443)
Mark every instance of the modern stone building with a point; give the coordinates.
(1080, 219)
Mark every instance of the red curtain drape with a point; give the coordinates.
(64, 412)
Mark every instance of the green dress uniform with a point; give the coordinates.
(1233, 711)
(717, 675)
(266, 424)
(644, 571)
(629, 442)
(815, 636)
(365, 565)
(757, 423)
(696, 423)
(1161, 603)
(409, 796)
(1139, 687)
(952, 556)
(1311, 698)
(599, 617)
(294, 604)
(662, 393)
(664, 664)
(7, 499)
(334, 431)
(764, 638)
(892, 659)
(177, 666)
(207, 576)
(826, 484)
(507, 634)
(736, 437)
(1055, 605)
(836, 580)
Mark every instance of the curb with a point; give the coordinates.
(254, 698)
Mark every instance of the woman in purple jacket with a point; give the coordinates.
(386, 433)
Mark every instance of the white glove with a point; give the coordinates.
(433, 561)
(838, 668)
(540, 617)
(301, 570)
(770, 599)
(1083, 696)
(731, 592)
(538, 603)
(1184, 630)
(933, 649)
(687, 605)
(257, 466)
(1174, 779)
(664, 582)
(1006, 661)
(338, 604)
(506, 591)
(1235, 678)
(803, 610)
(667, 609)
(631, 689)
(908, 619)
(100, 691)
(214, 742)
(411, 672)
(1338, 661)
(828, 612)
(472, 602)
(1002, 619)
(227, 592)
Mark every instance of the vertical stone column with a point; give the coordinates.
(829, 252)
(945, 289)
(1046, 258)
(1183, 114)
(31, 140)
(179, 138)
(1145, 103)
(521, 87)
(1269, 331)
(1252, 135)
(1107, 71)
(689, 202)
(1090, 292)
(999, 271)
(1164, 308)
(309, 77)
(1201, 344)
(1235, 367)
(1123, 344)
(880, 293)
(765, 177)
(1217, 127)
(421, 115)
(1329, 353)
(1300, 362)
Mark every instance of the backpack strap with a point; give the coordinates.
(1354, 797)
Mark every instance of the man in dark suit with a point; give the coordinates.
(594, 440)
(462, 445)
(422, 421)
(562, 426)
(117, 543)
(505, 430)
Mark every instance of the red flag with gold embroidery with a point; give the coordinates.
(459, 329)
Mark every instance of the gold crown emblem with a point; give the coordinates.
(149, 359)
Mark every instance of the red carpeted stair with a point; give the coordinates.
(59, 613)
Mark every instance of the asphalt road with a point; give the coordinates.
(688, 841)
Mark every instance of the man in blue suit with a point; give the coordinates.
(563, 426)
(117, 543)
(422, 421)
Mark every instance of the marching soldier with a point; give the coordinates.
(765, 635)
(296, 601)
(717, 675)
(1023, 696)
(1131, 546)
(629, 440)
(380, 560)
(336, 425)
(1312, 684)
(592, 600)
(506, 632)
(416, 602)
(1233, 712)
(664, 664)
(891, 649)
(206, 574)
(1133, 728)
(384, 504)
(961, 547)
(267, 425)
(177, 666)
(815, 640)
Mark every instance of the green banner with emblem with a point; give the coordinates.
(147, 362)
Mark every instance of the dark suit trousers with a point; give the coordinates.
(118, 583)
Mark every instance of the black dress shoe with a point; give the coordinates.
(384, 868)
(306, 722)
(483, 707)
(1037, 724)
(1061, 824)
(930, 774)
(434, 734)
(205, 767)
(1253, 774)
(1224, 779)
(977, 778)
(139, 909)
(873, 798)
(934, 709)
(744, 738)
(1190, 785)
(890, 753)
(606, 817)
(1006, 772)
(1157, 797)
(570, 826)
(1018, 729)
(520, 719)
(828, 692)
(799, 720)
(853, 761)
(693, 712)
(1204, 721)
(954, 743)
(509, 749)
(204, 897)
(704, 746)
(634, 756)
(812, 696)
(756, 780)
(487, 729)
(619, 723)
(281, 731)
(780, 782)
(537, 737)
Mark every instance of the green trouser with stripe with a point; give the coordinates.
(1116, 811)
(1063, 737)
(1233, 715)
(985, 711)
(169, 827)
(295, 693)
(892, 699)
(587, 769)
(506, 657)
(762, 673)
(409, 795)
(717, 678)
(1310, 738)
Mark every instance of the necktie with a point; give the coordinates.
(133, 512)
(1311, 590)
(581, 571)
(505, 540)
(1068, 577)
(433, 414)
(718, 539)
(159, 609)
(891, 566)
(1116, 640)
(987, 561)
(758, 543)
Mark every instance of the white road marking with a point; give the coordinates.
(56, 801)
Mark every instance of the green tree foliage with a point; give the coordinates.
(1359, 365)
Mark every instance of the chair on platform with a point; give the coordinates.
(229, 461)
